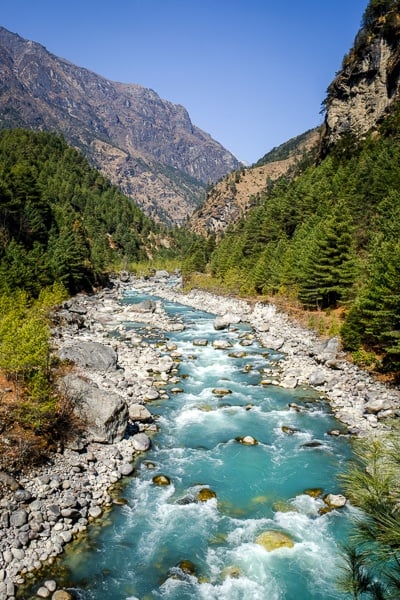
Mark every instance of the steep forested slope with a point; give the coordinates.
(60, 220)
(330, 238)
(233, 196)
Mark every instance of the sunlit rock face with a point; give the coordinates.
(367, 86)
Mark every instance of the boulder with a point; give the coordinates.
(146, 306)
(186, 566)
(289, 381)
(19, 518)
(151, 394)
(221, 391)
(43, 592)
(335, 500)
(124, 276)
(272, 540)
(221, 344)
(289, 430)
(206, 494)
(104, 413)
(223, 321)
(126, 469)
(247, 440)
(317, 378)
(91, 355)
(272, 342)
(95, 512)
(378, 403)
(161, 480)
(200, 342)
(8, 481)
(161, 275)
(138, 412)
(328, 350)
(61, 595)
(141, 442)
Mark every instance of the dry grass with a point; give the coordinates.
(22, 443)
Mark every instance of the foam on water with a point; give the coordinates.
(258, 488)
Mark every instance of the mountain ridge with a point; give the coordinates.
(231, 198)
(159, 157)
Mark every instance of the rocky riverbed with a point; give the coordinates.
(117, 370)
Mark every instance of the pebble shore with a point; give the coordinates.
(42, 511)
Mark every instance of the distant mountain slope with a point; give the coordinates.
(232, 197)
(147, 146)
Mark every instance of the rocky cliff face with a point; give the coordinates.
(368, 83)
(146, 145)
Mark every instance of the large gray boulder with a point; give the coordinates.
(159, 275)
(146, 306)
(91, 355)
(377, 403)
(138, 412)
(317, 378)
(327, 350)
(223, 321)
(104, 413)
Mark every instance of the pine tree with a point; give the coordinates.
(329, 270)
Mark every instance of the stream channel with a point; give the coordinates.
(136, 551)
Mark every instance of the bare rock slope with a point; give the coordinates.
(144, 144)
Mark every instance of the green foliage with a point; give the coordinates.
(25, 352)
(372, 560)
(60, 220)
(330, 237)
(328, 271)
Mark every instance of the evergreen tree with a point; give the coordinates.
(329, 270)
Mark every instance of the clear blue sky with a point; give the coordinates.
(252, 73)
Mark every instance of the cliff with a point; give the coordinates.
(368, 84)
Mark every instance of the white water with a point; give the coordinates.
(258, 488)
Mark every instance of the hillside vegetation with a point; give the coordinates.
(330, 238)
(231, 198)
(60, 220)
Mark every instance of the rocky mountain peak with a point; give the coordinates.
(146, 145)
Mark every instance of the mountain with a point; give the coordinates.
(231, 198)
(363, 93)
(142, 143)
(368, 84)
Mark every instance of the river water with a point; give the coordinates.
(137, 552)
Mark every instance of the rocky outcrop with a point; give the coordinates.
(103, 412)
(146, 145)
(368, 84)
(92, 355)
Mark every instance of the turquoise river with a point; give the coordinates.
(138, 549)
